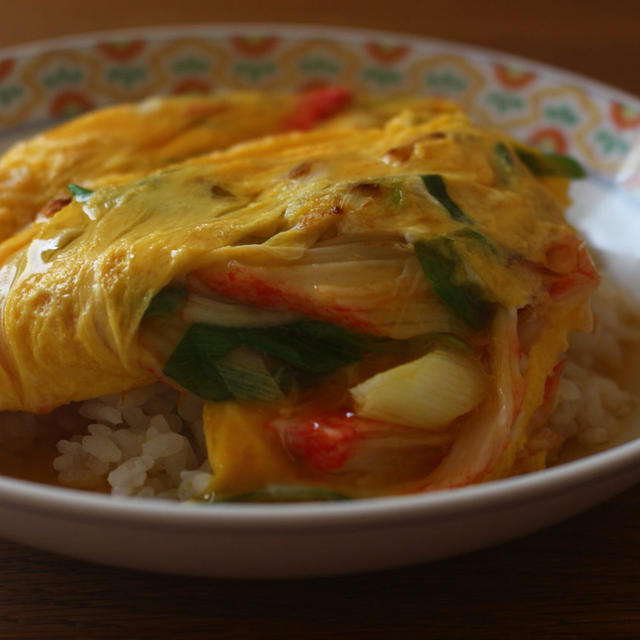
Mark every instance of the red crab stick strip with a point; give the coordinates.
(316, 106)
(253, 285)
(578, 273)
(485, 434)
(356, 455)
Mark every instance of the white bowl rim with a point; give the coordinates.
(328, 31)
(380, 512)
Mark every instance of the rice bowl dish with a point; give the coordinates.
(248, 540)
(150, 440)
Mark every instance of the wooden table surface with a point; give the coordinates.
(580, 579)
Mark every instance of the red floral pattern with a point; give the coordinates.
(386, 53)
(5, 68)
(549, 139)
(192, 85)
(70, 103)
(624, 116)
(121, 51)
(254, 46)
(513, 77)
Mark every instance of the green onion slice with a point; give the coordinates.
(246, 376)
(436, 187)
(302, 345)
(79, 193)
(551, 164)
(503, 155)
(481, 242)
(209, 363)
(166, 300)
(504, 162)
(439, 261)
(192, 363)
(395, 194)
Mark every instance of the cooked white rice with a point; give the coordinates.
(149, 442)
(591, 407)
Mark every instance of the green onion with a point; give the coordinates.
(503, 155)
(213, 342)
(245, 375)
(427, 393)
(551, 164)
(79, 193)
(439, 261)
(396, 196)
(310, 346)
(436, 187)
(192, 366)
(208, 361)
(482, 242)
(504, 161)
(166, 300)
(286, 378)
(284, 493)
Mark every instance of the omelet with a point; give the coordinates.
(124, 142)
(371, 297)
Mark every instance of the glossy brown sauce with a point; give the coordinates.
(28, 453)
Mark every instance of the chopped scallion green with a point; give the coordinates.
(504, 162)
(315, 347)
(166, 300)
(503, 154)
(247, 377)
(436, 187)
(206, 363)
(79, 193)
(192, 363)
(439, 261)
(396, 196)
(482, 242)
(551, 164)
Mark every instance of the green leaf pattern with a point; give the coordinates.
(254, 71)
(503, 102)
(610, 143)
(382, 77)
